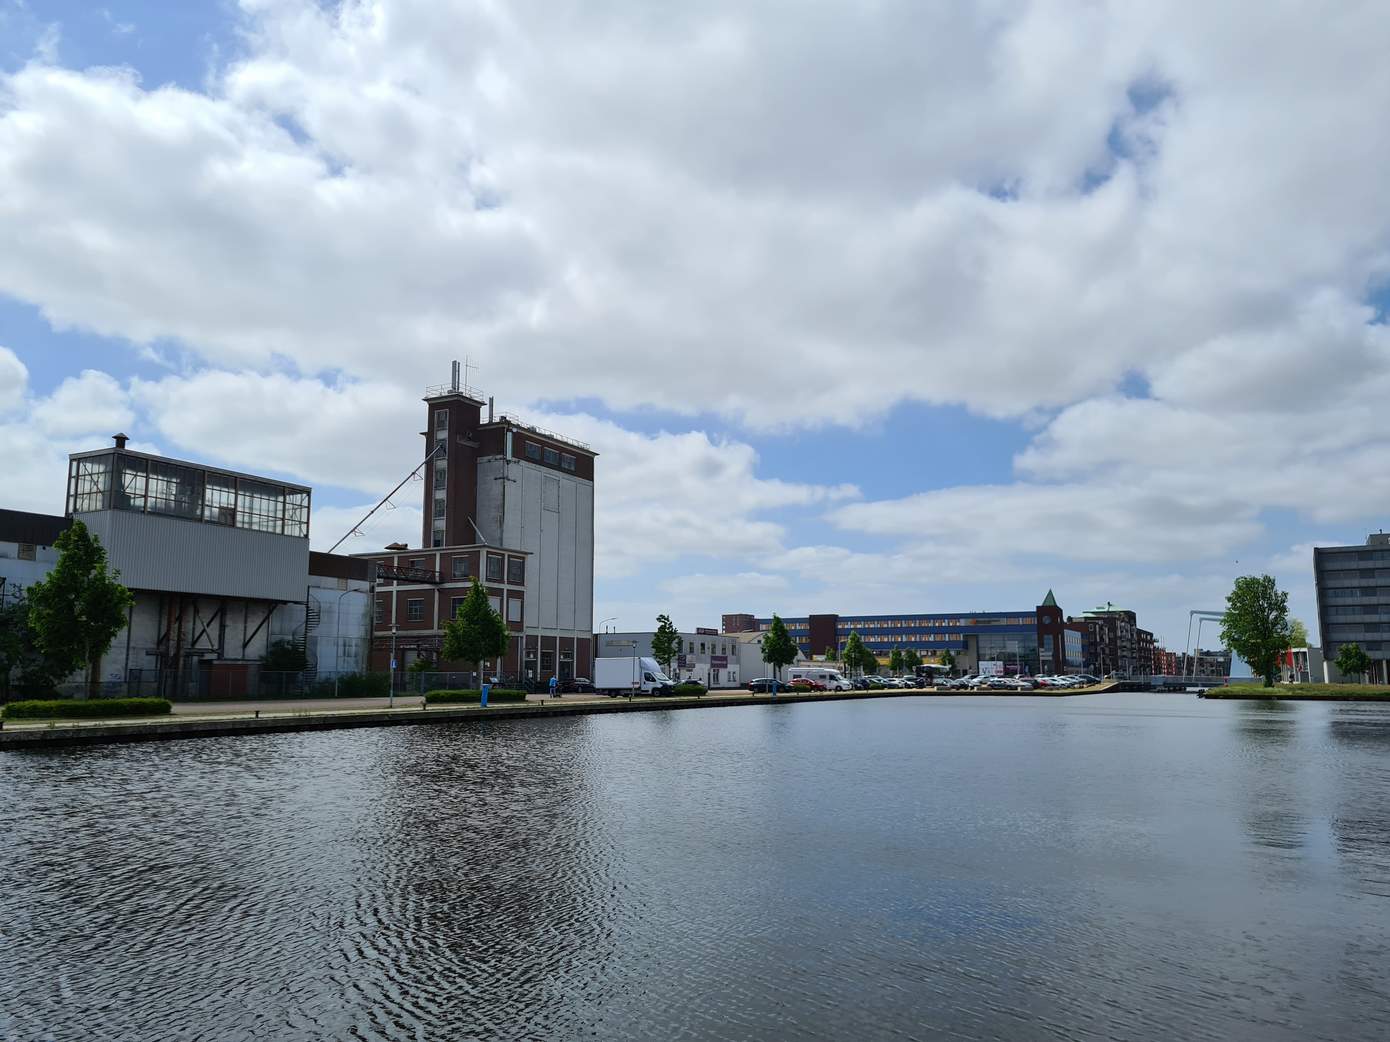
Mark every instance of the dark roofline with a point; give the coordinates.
(20, 526)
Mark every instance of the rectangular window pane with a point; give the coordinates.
(496, 602)
(533, 451)
(566, 461)
(259, 506)
(176, 491)
(552, 457)
(414, 609)
(130, 484)
(494, 567)
(513, 609)
(91, 484)
(516, 571)
(460, 567)
(219, 500)
(455, 606)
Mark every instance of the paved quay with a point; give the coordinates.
(220, 719)
(204, 720)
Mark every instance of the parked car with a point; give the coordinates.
(802, 684)
(577, 686)
(761, 685)
(875, 682)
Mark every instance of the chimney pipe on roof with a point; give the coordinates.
(120, 440)
(489, 408)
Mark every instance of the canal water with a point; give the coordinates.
(1112, 867)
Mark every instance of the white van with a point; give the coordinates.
(830, 679)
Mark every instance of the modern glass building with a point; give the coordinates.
(1353, 584)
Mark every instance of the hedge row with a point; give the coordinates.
(689, 687)
(86, 709)
(473, 696)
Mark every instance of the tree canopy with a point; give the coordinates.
(895, 661)
(76, 611)
(1256, 624)
(778, 647)
(476, 632)
(1352, 660)
(666, 643)
(1298, 634)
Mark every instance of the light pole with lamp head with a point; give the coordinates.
(392, 703)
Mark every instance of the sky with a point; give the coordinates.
(867, 307)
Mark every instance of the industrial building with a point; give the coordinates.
(512, 505)
(219, 564)
(1353, 587)
(1028, 642)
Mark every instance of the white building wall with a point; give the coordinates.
(550, 515)
(20, 575)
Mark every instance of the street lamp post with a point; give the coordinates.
(338, 639)
(392, 702)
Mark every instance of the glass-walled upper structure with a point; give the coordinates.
(118, 479)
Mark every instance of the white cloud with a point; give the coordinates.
(14, 379)
(91, 403)
(727, 209)
(788, 217)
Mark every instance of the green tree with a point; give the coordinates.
(1298, 634)
(285, 656)
(895, 661)
(1352, 661)
(77, 610)
(476, 632)
(947, 659)
(911, 660)
(831, 655)
(853, 655)
(666, 643)
(1256, 623)
(778, 647)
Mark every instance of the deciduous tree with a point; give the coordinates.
(666, 643)
(1352, 661)
(778, 647)
(1256, 623)
(476, 632)
(76, 611)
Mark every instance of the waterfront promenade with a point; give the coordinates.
(213, 719)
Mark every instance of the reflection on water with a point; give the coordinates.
(1113, 867)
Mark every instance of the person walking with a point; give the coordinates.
(554, 686)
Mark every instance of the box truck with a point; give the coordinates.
(628, 675)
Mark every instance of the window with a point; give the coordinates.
(441, 475)
(259, 506)
(494, 567)
(516, 571)
(441, 419)
(219, 500)
(496, 602)
(439, 504)
(552, 457)
(513, 609)
(547, 662)
(28, 552)
(415, 609)
(438, 538)
(533, 451)
(455, 606)
(566, 462)
(90, 484)
(378, 611)
(178, 492)
(460, 567)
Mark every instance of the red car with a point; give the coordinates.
(803, 684)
